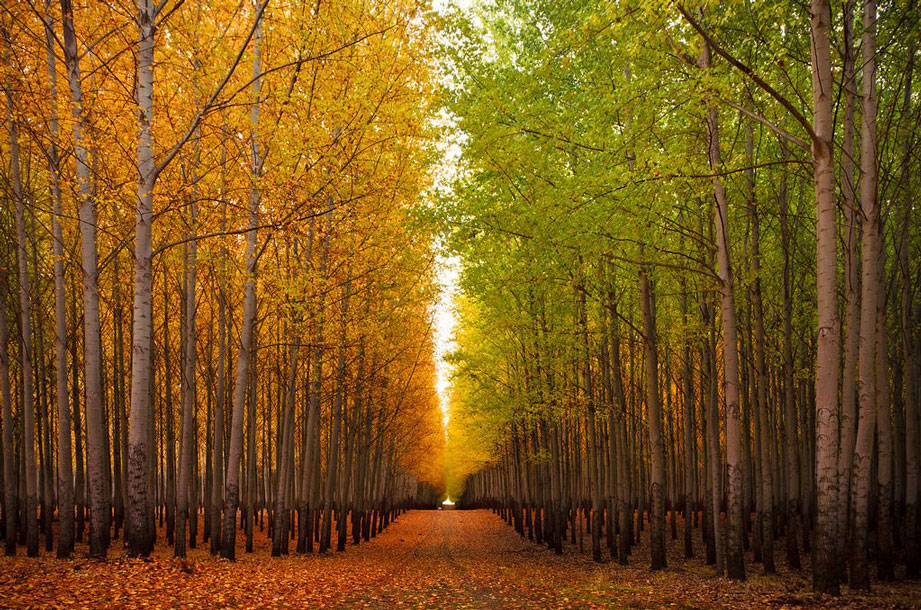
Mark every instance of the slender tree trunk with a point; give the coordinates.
(825, 574)
(884, 516)
(217, 462)
(909, 344)
(75, 391)
(286, 428)
(232, 485)
(25, 322)
(735, 561)
(170, 423)
(332, 464)
(792, 474)
(870, 317)
(136, 531)
(654, 415)
(10, 487)
(186, 443)
(766, 483)
(851, 294)
(65, 485)
(690, 433)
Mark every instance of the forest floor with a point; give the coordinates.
(426, 559)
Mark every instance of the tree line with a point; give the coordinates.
(689, 244)
(214, 309)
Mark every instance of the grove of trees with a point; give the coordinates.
(213, 300)
(689, 238)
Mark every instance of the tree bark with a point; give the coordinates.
(825, 574)
(65, 484)
(851, 293)
(232, 484)
(870, 317)
(136, 531)
(25, 328)
(735, 561)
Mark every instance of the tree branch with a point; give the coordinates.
(747, 71)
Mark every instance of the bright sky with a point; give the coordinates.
(448, 267)
(447, 276)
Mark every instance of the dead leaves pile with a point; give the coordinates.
(427, 559)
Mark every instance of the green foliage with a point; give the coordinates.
(584, 153)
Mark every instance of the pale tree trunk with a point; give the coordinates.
(137, 535)
(869, 317)
(825, 575)
(92, 350)
(65, 483)
(654, 414)
(235, 450)
(851, 294)
(25, 316)
(735, 560)
(311, 472)
(251, 482)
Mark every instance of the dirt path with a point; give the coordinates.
(427, 559)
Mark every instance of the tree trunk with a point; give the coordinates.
(794, 509)
(884, 516)
(232, 485)
(65, 485)
(735, 561)
(136, 531)
(766, 483)
(909, 344)
(870, 317)
(825, 574)
(851, 294)
(332, 464)
(25, 315)
(654, 414)
(10, 482)
(217, 461)
(186, 443)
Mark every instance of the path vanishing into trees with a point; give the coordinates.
(427, 559)
(276, 275)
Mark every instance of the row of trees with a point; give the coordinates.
(663, 214)
(214, 303)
